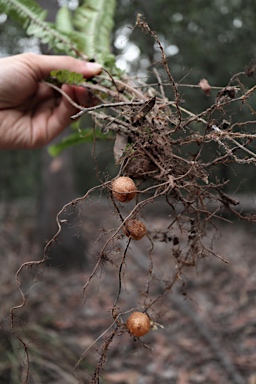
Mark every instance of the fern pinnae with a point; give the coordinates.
(32, 16)
(94, 20)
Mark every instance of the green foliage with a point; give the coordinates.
(66, 77)
(94, 20)
(24, 11)
(32, 18)
(85, 33)
(64, 20)
(83, 136)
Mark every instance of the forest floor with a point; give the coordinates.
(209, 317)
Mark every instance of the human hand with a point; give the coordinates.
(32, 113)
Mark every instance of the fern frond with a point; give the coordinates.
(66, 77)
(86, 33)
(32, 17)
(83, 136)
(23, 11)
(94, 20)
(63, 20)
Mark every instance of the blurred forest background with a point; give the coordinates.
(211, 40)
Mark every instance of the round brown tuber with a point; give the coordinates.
(135, 229)
(138, 324)
(123, 189)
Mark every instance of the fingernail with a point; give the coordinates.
(94, 67)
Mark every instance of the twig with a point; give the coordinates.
(120, 275)
(93, 343)
(218, 130)
(84, 110)
(106, 105)
(64, 94)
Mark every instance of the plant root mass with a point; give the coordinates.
(167, 159)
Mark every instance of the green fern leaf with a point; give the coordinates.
(32, 17)
(24, 11)
(67, 77)
(94, 20)
(64, 20)
(83, 136)
(86, 32)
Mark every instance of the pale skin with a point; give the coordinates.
(31, 113)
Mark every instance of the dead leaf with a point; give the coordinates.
(144, 110)
(119, 146)
(126, 377)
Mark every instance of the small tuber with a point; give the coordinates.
(138, 324)
(123, 189)
(135, 229)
